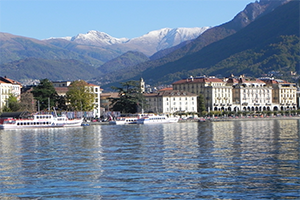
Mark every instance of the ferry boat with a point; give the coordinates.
(39, 121)
(157, 119)
(124, 120)
(63, 120)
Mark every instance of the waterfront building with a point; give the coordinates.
(8, 87)
(170, 101)
(217, 94)
(250, 94)
(61, 87)
(284, 94)
(241, 94)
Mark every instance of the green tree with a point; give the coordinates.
(200, 103)
(80, 97)
(27, 102)
(12, 104)
(130, 98)
(45, 94)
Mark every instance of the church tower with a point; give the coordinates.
(142, 85)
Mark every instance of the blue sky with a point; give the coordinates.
(43, 19)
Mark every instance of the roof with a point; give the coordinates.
(170, 93)
(61, 89)
(110, 95)
(198, 80)
(164, 89)
(8, 80)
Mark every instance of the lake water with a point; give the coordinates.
(209, 160)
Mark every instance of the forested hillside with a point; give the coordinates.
(33, 68)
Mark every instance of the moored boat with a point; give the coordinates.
(157, 119)
(39, 121)
(124, 120)
(63, 120)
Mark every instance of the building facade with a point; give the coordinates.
(61, 87)
(284, 95)
(8, 87)
(251, 95)
(241, 94)
(217, 94)
(171, 101)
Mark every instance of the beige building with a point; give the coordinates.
(217, 94)
(284, 95)
(171, 101)
(8, 87)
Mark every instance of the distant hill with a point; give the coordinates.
(94, 48)
(13, 48)
(129, 58)
(38, 68)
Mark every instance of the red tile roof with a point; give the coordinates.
(198, 80)
(170, 93)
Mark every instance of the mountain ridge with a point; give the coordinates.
(212, 35)
(148, 43)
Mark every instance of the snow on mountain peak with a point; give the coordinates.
(97, 38)
(148, 44)
(168, 37)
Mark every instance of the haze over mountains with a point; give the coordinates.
(177, 52)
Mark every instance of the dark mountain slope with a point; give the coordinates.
(14, 48)
(257, 36)
(33, 68)
(129, 58)
(101, 54)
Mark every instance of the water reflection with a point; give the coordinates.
(219, 160)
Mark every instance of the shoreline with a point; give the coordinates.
(220, 119)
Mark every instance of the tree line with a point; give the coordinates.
(44, 97)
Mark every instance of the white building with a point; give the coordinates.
(8, 87)
(61, 87)
(97, 92)
(171, 101)
(251, 95)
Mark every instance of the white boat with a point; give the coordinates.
(63, 120)
(39, 121)
(157, 119)
(124, 120)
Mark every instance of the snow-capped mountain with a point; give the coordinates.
(167, 37)
(148, 44)
(97, 38)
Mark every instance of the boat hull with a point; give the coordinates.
(157, 120)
